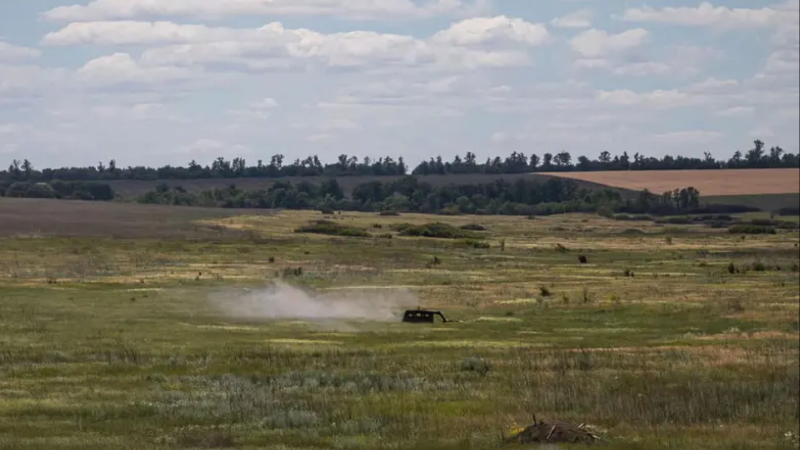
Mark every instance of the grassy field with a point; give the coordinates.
(153, 340)
(708, 182)
(765, 202)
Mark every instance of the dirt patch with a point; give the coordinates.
(555, 432)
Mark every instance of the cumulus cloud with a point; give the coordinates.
(706, 14)
(599, 43)
(213, 147)
(688, 137)
(214, 9)
(581, 18)
(121, 68)
(10, 52)
(493, 30)
(467, 44)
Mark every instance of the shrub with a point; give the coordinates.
(199, 438)
(561, 249)
(675, 221)
(735, 305)
(389, 213)
(386, 236)
(293, 271)
(476, 364)
(606, 212)
(40, 190)
(751, 229)
(435, 230)
(633, 218)
(473, 227)
(334, 229)
(585, 296)
(789, 211)
(476, 244)
(327, 211)
(759, 266)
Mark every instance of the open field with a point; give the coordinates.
(708, 182)
(38, 217)
(150, 340)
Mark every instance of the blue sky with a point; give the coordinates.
(167, 82)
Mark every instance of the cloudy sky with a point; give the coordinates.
(156, 82)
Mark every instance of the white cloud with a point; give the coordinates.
(274, 47)
(736, 111)
(712, 84)
(688, 137)
(706, 14)
(493, 30)
(121, 68)
(129, 32)
(212, 147)
(214, 9)
(581, 18)
(259, 110)
(136, 112)
(659, 99)
(642, 69)
(10, 52)
(598, 43)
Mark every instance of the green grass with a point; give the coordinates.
(118, 343)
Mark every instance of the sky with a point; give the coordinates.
(149, 82)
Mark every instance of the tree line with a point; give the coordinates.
(219, 168)
(409, 194)
(756, 157)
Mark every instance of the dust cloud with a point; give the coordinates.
(284, 301)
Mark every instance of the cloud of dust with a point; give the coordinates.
(283, 301)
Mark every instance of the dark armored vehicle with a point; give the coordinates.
(422, 316)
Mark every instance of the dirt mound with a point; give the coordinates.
(554, 432)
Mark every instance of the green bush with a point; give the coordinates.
(435, 230)
(332, 228)
(473, 227)
(680, 220)
(751, 229)
(476, 244)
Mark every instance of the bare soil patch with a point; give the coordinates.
(37, 217)
(708, 182)
(554, 432)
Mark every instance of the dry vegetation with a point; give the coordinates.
(708, 182)
(652, 343)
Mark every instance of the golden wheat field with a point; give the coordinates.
(708, 182)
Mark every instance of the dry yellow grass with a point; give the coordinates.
(708, 182)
